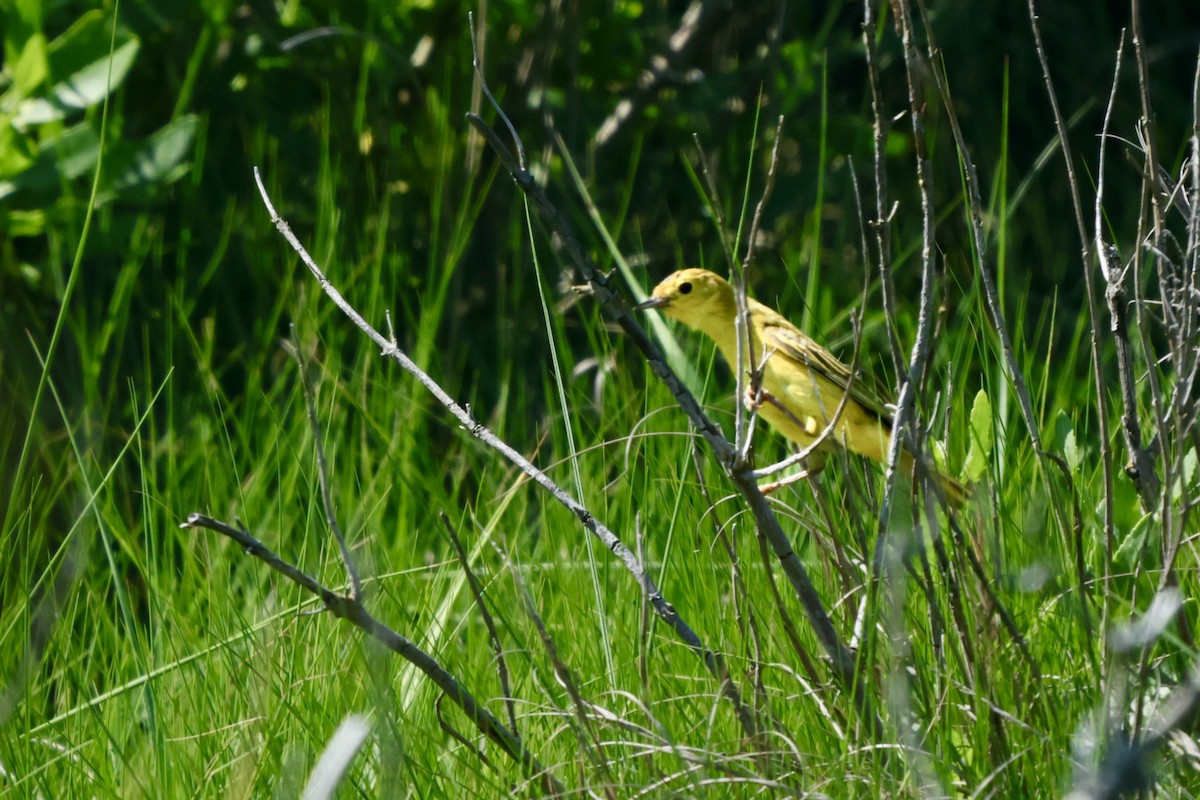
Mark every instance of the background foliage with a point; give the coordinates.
(137, 656)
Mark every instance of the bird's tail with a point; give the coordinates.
(955, 492)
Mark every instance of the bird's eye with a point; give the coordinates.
(685, 288)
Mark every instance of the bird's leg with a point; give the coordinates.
(756, 395)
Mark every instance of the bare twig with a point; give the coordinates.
(1078, 541)
(478, 67)
(904, 429)
(743, 608)
(663, 69)
(493, 635)
(882, 224)
(714, 200)
(1148, 128)
(975, 207)
(293, 347)
(450, 730)
(1140, 466)
(585, 732)
(833, 716)
(350, 609)
(743, 332)
(979, 239)
(1085, 241)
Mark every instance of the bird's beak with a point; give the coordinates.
(652, 302)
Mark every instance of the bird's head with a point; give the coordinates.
(696, 297)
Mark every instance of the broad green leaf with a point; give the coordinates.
(63, 157)
(86, 42)
(1186, 475)
(1063, 426)
(79, 65)
(29, 70)
(938, 450)
(1071, 453)
(17, 151)
(158, 160)
(1065, 442)
(22, 20)
(1131, 545)
(980, 450)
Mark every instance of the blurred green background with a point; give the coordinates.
(373, 94)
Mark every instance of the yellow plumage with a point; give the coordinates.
(802, 382)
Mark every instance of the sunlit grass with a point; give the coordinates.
(140, 659)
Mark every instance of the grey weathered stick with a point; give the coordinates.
(748, 364)
(975, 206)
(1153, 193)
(882, 224)
(1085, 241)
(391, 349)
(348, 608)
(1140, 466)
(489, 623)
(585, 731)
(983, 268)
(323, 471)
(613, 304)
(902, 427)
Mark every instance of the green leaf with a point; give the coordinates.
(1132, 545)
(1187, 474)
(63, 157)
(938, 450)
(980, 450)
(22, 20)
(156, 161)
(79, 65)
(86, 42)
(129, 166)
(1065, 442)
(17, 151)
(29, 70)
(17, 223)
(1063, 427)
(1071, 453)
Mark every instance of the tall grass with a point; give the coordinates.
(142, 659)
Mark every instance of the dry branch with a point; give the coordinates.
(346, 607)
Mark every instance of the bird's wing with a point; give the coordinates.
(786, 340)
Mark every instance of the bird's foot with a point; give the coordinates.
(757, 397)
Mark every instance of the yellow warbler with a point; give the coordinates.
(802, 383)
